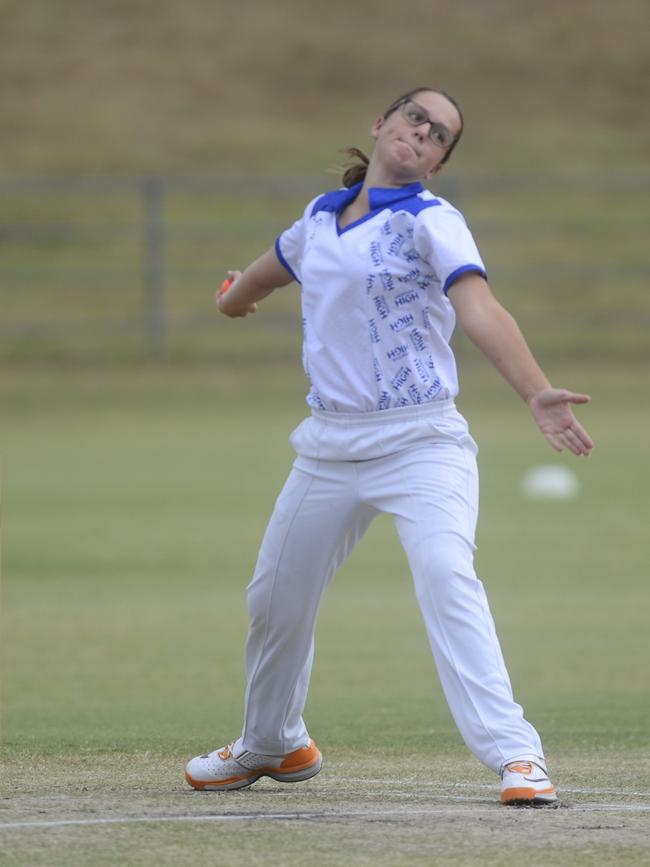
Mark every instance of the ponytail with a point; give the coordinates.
(356, 173)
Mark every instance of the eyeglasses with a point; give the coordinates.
(439, 134)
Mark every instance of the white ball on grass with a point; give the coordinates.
(550, 482)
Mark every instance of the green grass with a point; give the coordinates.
(133, 504)
(133, 510)
(134, 497)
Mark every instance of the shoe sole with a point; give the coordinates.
(231, 783)
(524, 797)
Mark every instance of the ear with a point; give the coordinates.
(377, 125)
(433, 171)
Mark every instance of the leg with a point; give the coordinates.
(316, 523)
(435, 508)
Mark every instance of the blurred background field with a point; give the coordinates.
(112, 268)
(146, 148)
(156, 86)
(133, 511)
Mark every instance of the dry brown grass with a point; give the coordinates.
(205, 85)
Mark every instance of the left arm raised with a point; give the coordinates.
(494, 331)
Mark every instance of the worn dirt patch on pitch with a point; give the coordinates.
(136, 810)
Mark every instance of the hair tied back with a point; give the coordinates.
(356, 173)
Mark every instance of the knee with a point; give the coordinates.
(274, 602)
(445, 566)
(258, 598)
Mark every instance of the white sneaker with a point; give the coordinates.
(525, 782)
(221, 770)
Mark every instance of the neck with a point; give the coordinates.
(379, 176)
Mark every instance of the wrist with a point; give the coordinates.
(226, 306)
(531, 393)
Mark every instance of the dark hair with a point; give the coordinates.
(357, 171)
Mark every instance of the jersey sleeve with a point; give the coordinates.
(290, 244)
(442, 236)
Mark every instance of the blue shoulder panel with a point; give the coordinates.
(336, 200)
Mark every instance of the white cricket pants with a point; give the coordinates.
(419, 465)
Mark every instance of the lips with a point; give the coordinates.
(409, 146)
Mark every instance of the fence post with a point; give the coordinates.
(153, 262)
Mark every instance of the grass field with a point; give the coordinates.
(134, 501)
(134, 496)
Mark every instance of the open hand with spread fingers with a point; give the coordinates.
(552, 412)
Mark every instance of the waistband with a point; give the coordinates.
(431, 409)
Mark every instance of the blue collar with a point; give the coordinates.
(378, 197)
(383, 197)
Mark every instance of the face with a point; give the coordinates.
(408, 151)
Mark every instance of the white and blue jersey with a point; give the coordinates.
(376, 316)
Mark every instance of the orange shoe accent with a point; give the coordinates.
(300, 758)
(201, 784)
(520, 767)
(524, 794)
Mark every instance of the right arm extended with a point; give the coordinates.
(258, 280)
